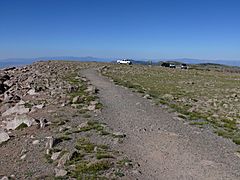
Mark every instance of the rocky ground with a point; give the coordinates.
(63, 120)
(50, 127)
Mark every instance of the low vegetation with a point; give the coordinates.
(211, 96)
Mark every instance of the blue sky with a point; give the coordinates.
(206, 29)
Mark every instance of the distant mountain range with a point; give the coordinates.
(24, 61)
(200, 61)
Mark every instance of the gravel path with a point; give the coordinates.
(164, 147)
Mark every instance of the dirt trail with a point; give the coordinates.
(164, 147)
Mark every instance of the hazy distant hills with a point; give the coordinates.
(199, 61)
(190, 61)
(73, 58)
(25, 61)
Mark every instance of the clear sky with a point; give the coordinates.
(206, 29)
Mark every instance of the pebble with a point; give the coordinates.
(4, 137)
(35, 142)
(23, 156)
(55, 156)
(60, 172)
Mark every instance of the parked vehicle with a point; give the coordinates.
(124, 61)
(165, 64)
(184, 66)
(169, 65)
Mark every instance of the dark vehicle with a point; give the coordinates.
(166, 64)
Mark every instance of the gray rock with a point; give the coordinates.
(90, 89)
(84, 79)
(43, 122)
(91, 107)
(94, 102)
(147, 96)
(55, 156)
(40, 106)
(23, 156)
(77, 99)
(82, 125)
(18, 120)
(60, 172)
(30, 80)
(119, 134)
(49, 144)
(17, 109)
(35, 142)
(63, 160)
(32, 92)
(3, 137)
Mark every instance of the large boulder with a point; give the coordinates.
(19, 108)
(19, 120)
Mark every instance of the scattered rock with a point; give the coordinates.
(4, 137)
(91, 107)
(225, 106)
(63, 160)
(119, 134)
(43, 122)
(55, 156)
(35, 142)
(77, 99)
(32, 92)
(90, 89)
(40, 106)
(17, 109)
(23, 156)
(84, 79)
(147, 96)
(82, 125)
(18, 120)
(49, 144)
(94, 102)
(60, 172)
